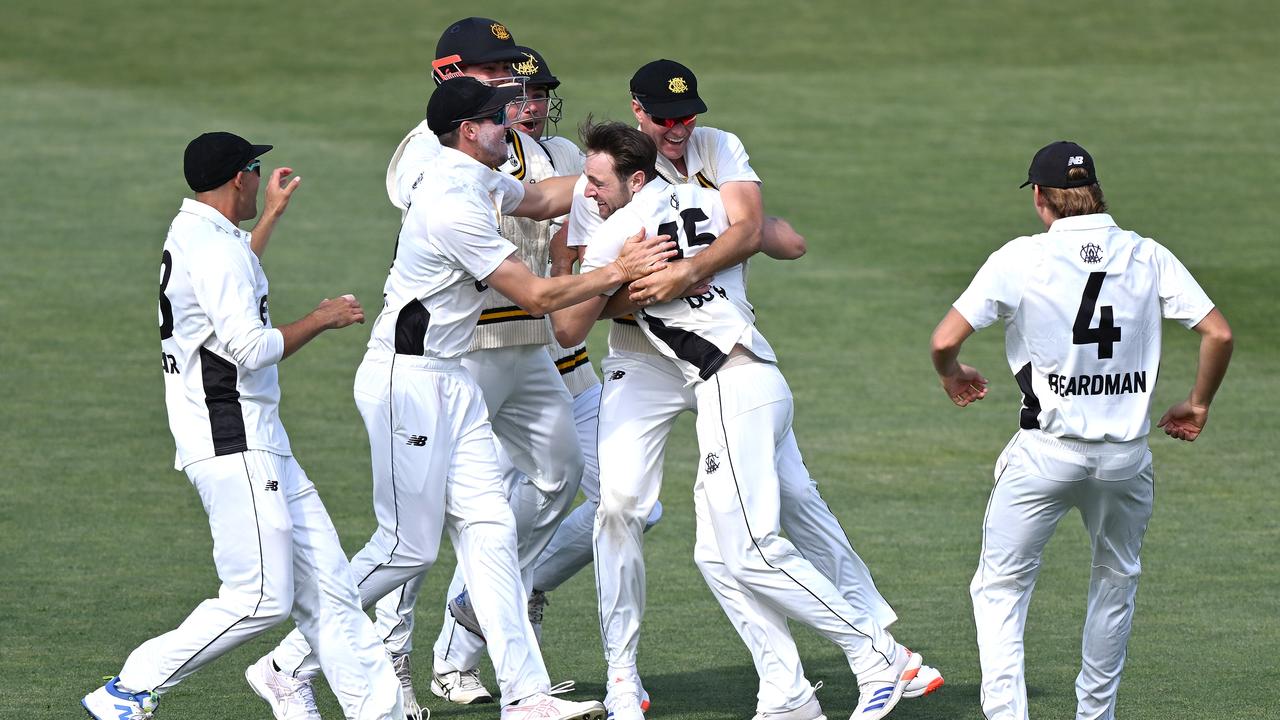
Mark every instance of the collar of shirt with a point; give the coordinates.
(1095, 221)
(692, 161)
(201, 210)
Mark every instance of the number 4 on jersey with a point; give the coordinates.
(1107, 334)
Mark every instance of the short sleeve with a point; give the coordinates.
(731, 161)
(584, 215)
(1181, 297)
(466, 229)
(995, 291)
(508, 192)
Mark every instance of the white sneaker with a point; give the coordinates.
(811, 710)
(880, 692)
(462, 687)
(623, 701)
(541, 706)
(111, 703)
(925, 682)
(404, 673)
(289, 698)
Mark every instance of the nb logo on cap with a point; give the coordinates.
(499, 31)
(528, 67)
(677, 85)
(1075, 160)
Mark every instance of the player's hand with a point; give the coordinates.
(964, 386)
(279, 189)
(1184, 421)
(642, 255)
(699, 287)
(339, 312)
(671, 282)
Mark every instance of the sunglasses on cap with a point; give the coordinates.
(254, 166)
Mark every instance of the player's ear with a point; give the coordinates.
(637, 109)
(635, 181)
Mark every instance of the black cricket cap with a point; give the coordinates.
(466, 98)
(532, 66)
(215, 157)
(477, 40)
(1050, 166)
(667, 89)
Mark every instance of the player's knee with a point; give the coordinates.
(1116, 576)
(620, 509)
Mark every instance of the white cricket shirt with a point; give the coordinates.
(1082, 306)
(712, 157)
(448, 243)
(219, 351)
(696, 332)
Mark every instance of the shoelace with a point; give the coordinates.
(297, 690)
(561, 688)
(469, 679)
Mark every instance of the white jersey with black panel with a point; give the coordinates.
(1082, 305)
(696, 332)
(219, 351)
(712, 157)
(448, 243)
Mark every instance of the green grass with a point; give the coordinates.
(893, 135)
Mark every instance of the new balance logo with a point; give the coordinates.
(712, 463)
(416, 440)
(617, 374)
(272, 486)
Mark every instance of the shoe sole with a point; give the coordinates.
(465, 622)
(442, 692)
(593, 714)
(928, 690)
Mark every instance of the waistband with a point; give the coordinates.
(412, 362)
(1083, 447)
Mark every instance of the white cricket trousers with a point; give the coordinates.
(532, 415)
(1038, 478)
(277, 555)
(434, 467)
(642, 396)
(744, 422)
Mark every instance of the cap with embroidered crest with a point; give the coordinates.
(477, 40)
(1052, 165)
(214, 158)
(465, 98)
(534, 69)
(667, 89)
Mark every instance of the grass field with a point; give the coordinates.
(893, 135)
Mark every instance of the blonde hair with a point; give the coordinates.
(1067, 202)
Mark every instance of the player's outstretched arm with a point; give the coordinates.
(780, 241)
(279, 189)
(744, 207)
(1185, 420)
(639, 256)
(547, 199)
(963, 384)
(331, 314)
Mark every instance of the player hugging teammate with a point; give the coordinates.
(485, 417)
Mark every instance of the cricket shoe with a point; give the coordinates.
(880, 692)
(111, 703)
(623, 701)
(542, 706)
(289, 697)
(811, 710)
(404, 673)
(538, 602)
(462, 611)
(460, 686)
(925, 682)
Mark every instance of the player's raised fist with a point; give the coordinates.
(642, 255)
(339, 312)
(280, 188)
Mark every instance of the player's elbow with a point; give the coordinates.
(257, 350)
(570, 334)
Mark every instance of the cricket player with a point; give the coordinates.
(275, 549)
(434, 459)
(744, 418)
(531, 410)
(644, 393)
(1082, 305)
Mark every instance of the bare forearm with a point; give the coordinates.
(1215, 355)
(553, 293)
(261, 234)
(619, 304)
(300, 332)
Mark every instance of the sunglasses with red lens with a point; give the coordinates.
(669, 123)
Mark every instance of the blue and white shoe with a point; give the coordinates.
(880, 692)
(461, 610)
(111, 703)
